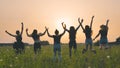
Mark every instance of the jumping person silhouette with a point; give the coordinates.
(103, 32)
(57, 44)
(18, 45)
(88, 33)
(36, 37)
(72, 37)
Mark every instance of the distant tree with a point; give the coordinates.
(118, 39)
(44, 42)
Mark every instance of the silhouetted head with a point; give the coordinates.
(72, 28)
(34, 31)
(87, 27)
(56, 32)
(103, 27)
(17, 32)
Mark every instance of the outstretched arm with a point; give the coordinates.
(107, 22)
(28, 34)
(81, 23)
(10, 34)
(91, 22)
(41, 34)
(96, 36)
(49, 34)
(22, 28)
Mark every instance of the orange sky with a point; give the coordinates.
(40, 13)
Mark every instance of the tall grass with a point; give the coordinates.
(109, 58)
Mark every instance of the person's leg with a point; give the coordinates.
(39, 47)
(70, 50)
(59, 52)
(23, 47)
(54, 50)
(75, 47)
(101, 46)
(35, 48)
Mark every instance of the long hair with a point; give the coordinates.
(72, 29)
(34, 32)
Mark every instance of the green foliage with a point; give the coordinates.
(109, 58)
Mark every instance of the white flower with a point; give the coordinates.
(16, 57)
(89, 67)
(1, 60)
(108, 56)
(11, 65)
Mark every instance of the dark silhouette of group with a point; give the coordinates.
(20, 47)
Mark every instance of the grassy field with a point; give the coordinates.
(109, 58)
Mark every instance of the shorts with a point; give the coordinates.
(103, 41)
(18, 45)
(37, 45)
(72, 44)
(57, 47)
(88, 41)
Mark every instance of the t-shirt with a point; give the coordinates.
(35, 37)
(19, 38)
(103, 33)
(72, 35)
(57, 39)
(88, 33)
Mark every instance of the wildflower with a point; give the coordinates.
(1, 60)
(7, 49)
(11, 65)
(89, 67)
(28, 47)
(16, 57)
(108, 56)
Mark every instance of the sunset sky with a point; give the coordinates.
(36, 14)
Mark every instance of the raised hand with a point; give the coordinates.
(6, 31)
(46, 28)
(92, 17)
(63, 25)
(27, 30)
(80, 21)
(22, 23)
(107, 20)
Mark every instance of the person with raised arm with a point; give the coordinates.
(57, 43)
(88, 33)
(18, 45)
(36, 37)
(103, 32)
(72, 37)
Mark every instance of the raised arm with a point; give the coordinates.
(81, 23)
(48, 32)
(64, 27)
(41, 34)
(22, 28)
(91, 22)
(28, 34)
(107, 22)
(96, 36)
(10, 34)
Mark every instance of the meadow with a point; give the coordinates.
(109, 58)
